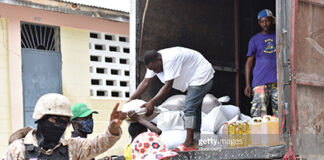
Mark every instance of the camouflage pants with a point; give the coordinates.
(263, 96)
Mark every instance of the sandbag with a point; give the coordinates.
(174, 103)
(246, 118)
(171, 120)
(156, 119)
(213, 120)
(203, 115)
(220, 130)
(224, 99)
(234, 119)
(135, 105)
(230, 111)
(209, 102)
(173, 138)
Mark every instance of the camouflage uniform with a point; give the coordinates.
(78, 148)
(262, 96)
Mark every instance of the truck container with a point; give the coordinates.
(220, 30)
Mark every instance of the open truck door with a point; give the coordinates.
(300, 32)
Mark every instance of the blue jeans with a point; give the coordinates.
(192, 105)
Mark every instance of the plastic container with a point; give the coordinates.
(239, 130)
(225, 129)
(231, 134)
(231, 128)
(256, 131)
(246, 134)
(273, 131)
(239, 135)
(246, 127)
(264, 130)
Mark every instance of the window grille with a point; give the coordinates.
(109, 65)
(40, 37)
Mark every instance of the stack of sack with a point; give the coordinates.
(169, 117)
(135, 105)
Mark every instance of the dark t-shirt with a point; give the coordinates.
(263, 46)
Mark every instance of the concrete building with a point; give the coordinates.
(55, 46)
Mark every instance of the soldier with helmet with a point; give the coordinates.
(53, 114)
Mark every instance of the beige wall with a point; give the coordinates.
(75, 64)
(76, 82)
(75, 69)
(17, 14)
(4, 87)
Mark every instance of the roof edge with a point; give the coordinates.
(71, 8)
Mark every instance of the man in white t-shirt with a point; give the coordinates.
(182, 69)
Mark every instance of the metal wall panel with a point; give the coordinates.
(283, 57)
(41, 73)
(207, 27)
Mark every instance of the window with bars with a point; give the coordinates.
(109, 65)
(39, 37)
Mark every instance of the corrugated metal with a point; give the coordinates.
(115, 5)
(70, 8)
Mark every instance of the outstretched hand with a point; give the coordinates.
(116, 119)
(133, 116)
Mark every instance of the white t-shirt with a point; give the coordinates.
(185, 66)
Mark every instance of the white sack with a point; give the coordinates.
(220, 130)
(156, 119)
(163, 109)
(245, 118)
(202, 132)
(203, 115)
(213, 120)
(174, 103)
(135, 105)
(171, 120)
(230, 111)
(234, 119)
(224, 99)
(173, 138)
(209, 102)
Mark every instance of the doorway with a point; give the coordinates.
(41, 65)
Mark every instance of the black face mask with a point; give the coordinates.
(51, 133)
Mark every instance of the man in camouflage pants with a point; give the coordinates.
(263, 96)
(262, 49)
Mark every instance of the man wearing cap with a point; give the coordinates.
(82, 121)
(262, 49)
(53, 114)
